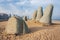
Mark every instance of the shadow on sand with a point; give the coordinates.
(55, 23)
(34, 29)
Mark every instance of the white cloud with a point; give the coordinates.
(41, 2)
(31, 4)
(20, 3)
(34, 3)
(27, 13)
(3, 10)
(14, 10)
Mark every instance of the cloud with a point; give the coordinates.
(14, 9)
(3, 10)
(20, 3)
(33, 3)
(26, 7)
(40, 2)
(11, 10)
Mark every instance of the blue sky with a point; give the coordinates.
(27, 7)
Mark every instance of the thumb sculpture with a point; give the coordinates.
(46, 18)
(25, 18)
(34, 15)
(39, 13)
(15, 25)
(25, 28)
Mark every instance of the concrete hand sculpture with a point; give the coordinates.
(39, 13)
(46, 18)
(34, 15)
(25, 18)
(16, 25)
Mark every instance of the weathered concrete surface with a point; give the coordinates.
(47, 15)
(34, 15)
(25, 18)
(25, 28)
(14, 26)
(39, 13)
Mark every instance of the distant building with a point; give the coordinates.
(3, 16)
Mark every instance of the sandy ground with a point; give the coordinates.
(37, 32)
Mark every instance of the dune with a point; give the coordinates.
(38, 31)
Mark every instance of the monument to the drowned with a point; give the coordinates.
(47, 16)
(16, 25)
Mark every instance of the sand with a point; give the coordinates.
(38, 31)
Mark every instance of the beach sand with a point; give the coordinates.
(38, 31)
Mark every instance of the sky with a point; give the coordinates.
(27, 7)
